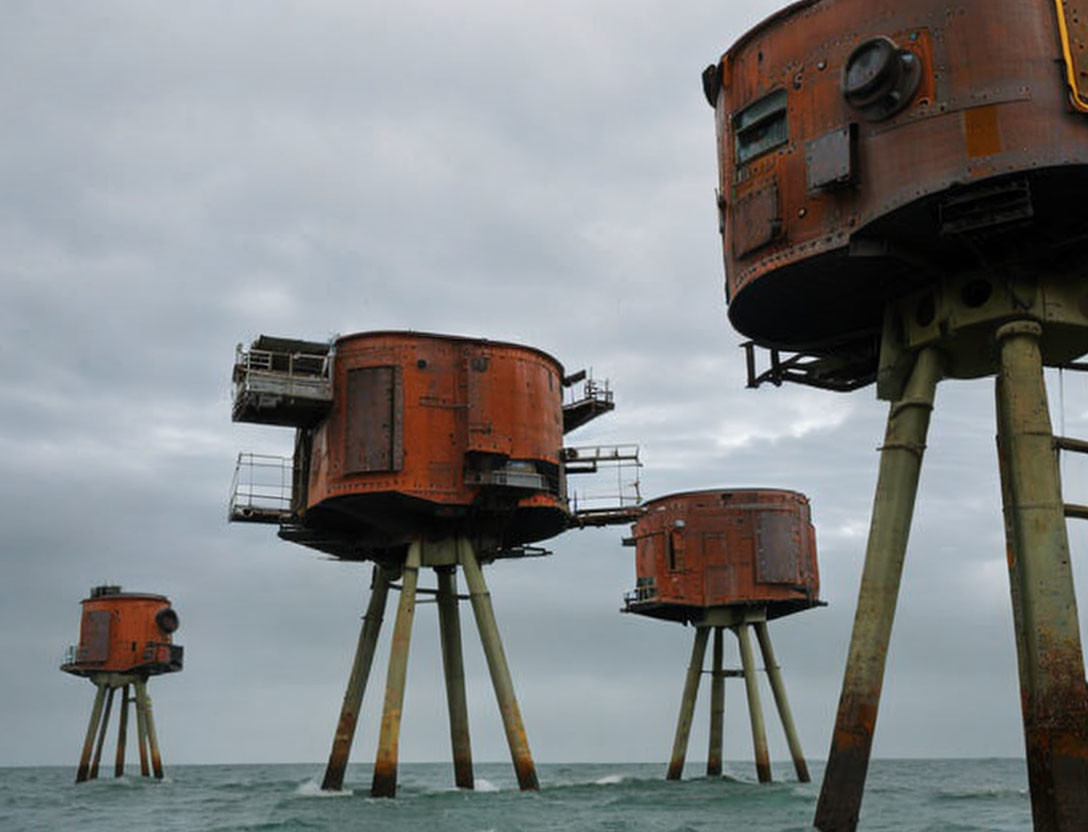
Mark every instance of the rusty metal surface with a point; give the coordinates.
(843, 785)
(122, 632)
(122, 734)
(778, 688)
(779, 550)
(1053, 692)
(514, 727)
(479, 426)
(84, 768)
(687, 705)
(989, 104)
(373, 436)
(357, 681)
(717, 708)
(384, 783)
(830, 159)
(755, 709)
(453, 667)
(717, 548)
(759, 219)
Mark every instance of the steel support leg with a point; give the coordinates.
(449, 628)
(496, 664)
(774, 675)
(897, 484)
(141, 732)
(101, 735)
(149, 724)
(384, 783)
(1053, 694)
(92, 731)
(717, 709)
(122, 735)
(755, 709)
(360, 673)
(687, 705)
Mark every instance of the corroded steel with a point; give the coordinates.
(717, 708)
(97, 759)
(122, 632)
(440, 435)
(893, 506)
(141, 733)
(143, 702)
(755, 709)
(92, 729)
(360, 673)
(1053, 693)
(778, 688)
(122, 734)
(840, 189)
(500, 671)
(687, 704)
(384, 783)
(449, 627)
(705, 549)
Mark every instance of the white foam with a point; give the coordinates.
(482, 785)
(311, 788)
(609, 780)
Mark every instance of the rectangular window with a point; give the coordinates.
(761, 126)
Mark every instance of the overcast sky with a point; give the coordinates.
(176, 178)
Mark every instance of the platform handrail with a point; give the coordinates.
(262, 489)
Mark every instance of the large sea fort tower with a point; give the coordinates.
(900, 197)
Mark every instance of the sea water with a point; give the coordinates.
(900, 795)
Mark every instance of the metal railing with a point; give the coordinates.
(589, 460)
(292, 374)
(262, 489)
(645, 590)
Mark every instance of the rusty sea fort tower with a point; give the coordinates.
(416, 450)
(124, 639)
(727, 559)
(901, 201)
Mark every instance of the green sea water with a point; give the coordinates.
(901, 795)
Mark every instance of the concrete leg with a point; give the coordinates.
(755, 709)
(384, 783)
(717, 709)
(360, 673)
(149, 723)
(897, 484)
(122, 735)
(496, 664)
(449, 624)
(774, 675)
(92, 730)
(101, 735)
(141, 732)
(687, 704)
(1053, 693)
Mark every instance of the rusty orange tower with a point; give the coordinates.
(416, 450)
(727, 559)
(899, 197)
(124, 638)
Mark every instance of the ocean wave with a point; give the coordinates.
(311, 788)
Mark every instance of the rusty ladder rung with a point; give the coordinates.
(1064, 443)
(1076, 511)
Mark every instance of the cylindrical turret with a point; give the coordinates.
(125, 632)
(724, 548)
(871, 147)
(438, 435)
